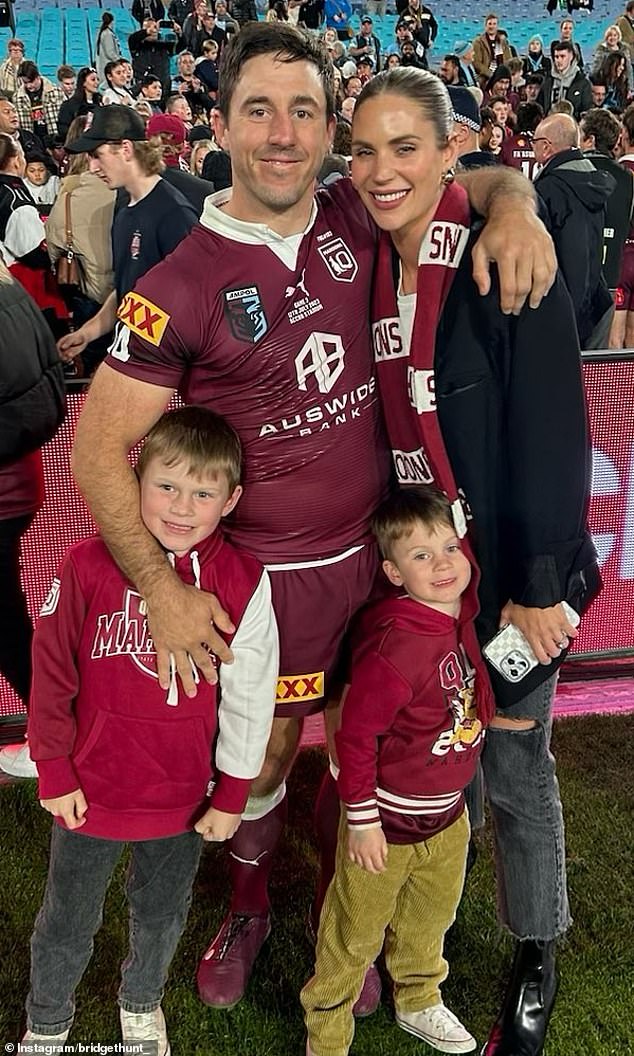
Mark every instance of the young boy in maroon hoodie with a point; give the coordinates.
(411, 733)
(119, 760)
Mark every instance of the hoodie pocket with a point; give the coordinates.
(136, 764)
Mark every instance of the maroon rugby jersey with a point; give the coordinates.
(283, 352)
(517, 152)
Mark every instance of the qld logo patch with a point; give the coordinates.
(296, 688)
(339, 260)
(245, 314)
(143, 318)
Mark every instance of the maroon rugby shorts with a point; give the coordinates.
(314, 603)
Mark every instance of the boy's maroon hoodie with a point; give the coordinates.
(99, 719)
(413, 721)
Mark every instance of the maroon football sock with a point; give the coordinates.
(251, 854)
(327, 814)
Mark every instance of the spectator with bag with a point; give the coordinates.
(81, 219)
(156, 219)
(32, 404)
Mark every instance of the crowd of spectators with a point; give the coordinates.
(169, 69)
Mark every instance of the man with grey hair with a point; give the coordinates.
(575, 195)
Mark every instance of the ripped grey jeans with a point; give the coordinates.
(523, 794)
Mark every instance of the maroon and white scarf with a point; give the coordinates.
(407, 380)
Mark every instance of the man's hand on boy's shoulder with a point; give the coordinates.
(182, 623)
(71, 808)
(216, 826)
(368, 849)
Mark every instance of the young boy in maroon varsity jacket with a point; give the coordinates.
(118, 759)
(411, 733)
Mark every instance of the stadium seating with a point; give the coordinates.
(66, 30)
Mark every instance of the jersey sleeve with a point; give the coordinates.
(51, 725)
(376, 694)
(247, 702)
(158, 320)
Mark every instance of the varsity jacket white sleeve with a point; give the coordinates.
(247, 700)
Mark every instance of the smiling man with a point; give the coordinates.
(261, 313)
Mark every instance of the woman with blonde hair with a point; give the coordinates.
(200, 150)
(612, 44)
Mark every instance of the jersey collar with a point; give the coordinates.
(218, 221)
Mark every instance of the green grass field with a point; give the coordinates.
(595, 1011)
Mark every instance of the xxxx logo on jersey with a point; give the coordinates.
(292, 688)
(143, 318)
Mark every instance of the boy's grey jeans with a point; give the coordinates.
(523, 794)
(159, 885)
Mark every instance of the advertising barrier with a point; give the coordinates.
(607, 630)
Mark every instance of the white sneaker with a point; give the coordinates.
(145, 1026)
(439, 1028)
(16, 761)
(49, 1042)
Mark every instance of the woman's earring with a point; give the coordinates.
(448, 177)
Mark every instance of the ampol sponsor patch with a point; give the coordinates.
(143, 318)
(291, 688)
(245, 314)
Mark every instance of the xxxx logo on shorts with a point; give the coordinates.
(143, 317)
(291, 688)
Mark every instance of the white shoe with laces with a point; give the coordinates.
(145, 1026)
(16, 761)
(439, 1028)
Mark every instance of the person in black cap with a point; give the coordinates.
(466, 127)
(145, 231)
(366, 44)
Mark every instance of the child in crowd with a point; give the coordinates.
(41, 183)
(411, 733)
(119, 761)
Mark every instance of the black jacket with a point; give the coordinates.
(572, 5)
(244, 11)
(618, 214)
(142, 9)
(512, 412)
(178, 10)
(575, 195)
(32, 395)
(579, 94)
(74, 107)
(217, 170)
(150, 55)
